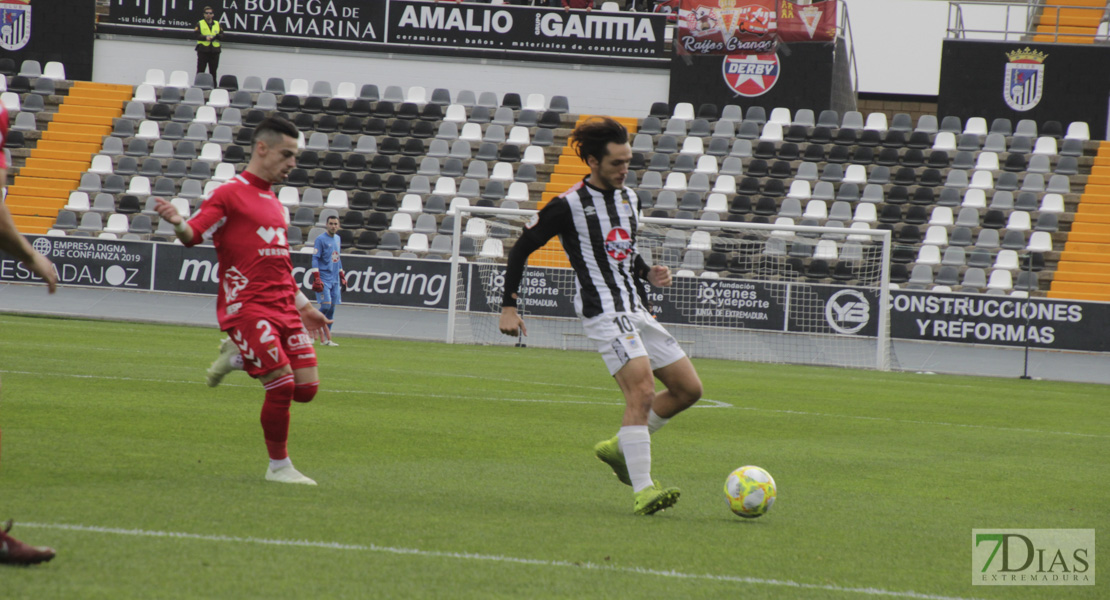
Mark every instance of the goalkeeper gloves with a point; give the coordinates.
(343, 278)
(317, 283)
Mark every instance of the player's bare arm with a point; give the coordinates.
(314, 321)
(169, 213)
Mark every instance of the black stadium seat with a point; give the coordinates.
(361, 108)
(229, 83)
(327, 124)
(346, 181)
(312, 105)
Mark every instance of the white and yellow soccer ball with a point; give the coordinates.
(750, 491)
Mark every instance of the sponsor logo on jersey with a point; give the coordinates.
(532, 221)
(847, 311)
(1023, 83)
(618, 243)
(234, 282)
(15, 24)
(269, 234)
(298, 340)
(751, 75)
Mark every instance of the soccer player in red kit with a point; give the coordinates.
(259, 305)
(13, 551)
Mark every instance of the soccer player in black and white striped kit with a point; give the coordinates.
(596, 221)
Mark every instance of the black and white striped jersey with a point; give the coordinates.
(598, 232)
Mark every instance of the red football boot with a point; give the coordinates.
(15, 552)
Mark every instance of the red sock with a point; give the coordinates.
(275, 415)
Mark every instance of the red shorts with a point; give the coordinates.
(269, 344)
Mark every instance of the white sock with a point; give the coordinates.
(237, 362)
(280, 464)
(635, 443)
(655, 422)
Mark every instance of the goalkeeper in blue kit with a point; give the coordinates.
(329, 279)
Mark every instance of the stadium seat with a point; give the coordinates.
(936, 235)
(1040, 241)
(78, 202)
(117, 223)
(1000, 279)
(1078, 130)
(877, 121)
(13, 104)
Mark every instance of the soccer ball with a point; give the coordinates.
(750, 491)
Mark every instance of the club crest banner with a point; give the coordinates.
(1023, 84)
(750, 26)
(15, 24)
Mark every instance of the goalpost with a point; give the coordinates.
(742, 291)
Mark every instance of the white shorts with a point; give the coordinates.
(621, 337)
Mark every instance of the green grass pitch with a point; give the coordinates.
(468, 472)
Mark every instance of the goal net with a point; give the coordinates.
(741, 291)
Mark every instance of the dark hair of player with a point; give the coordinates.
(271, 129)
(330, 217)
(592, 137)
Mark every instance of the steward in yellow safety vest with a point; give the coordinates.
(208, 33)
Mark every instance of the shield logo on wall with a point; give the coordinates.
(1023, 84)
(15, 24)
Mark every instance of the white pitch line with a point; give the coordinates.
(866, 591)
(703, 403)
(915, 422)
(501, 379)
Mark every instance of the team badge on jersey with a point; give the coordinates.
(1024, 80)
(15, 24)
(234, 282)
(618, 243)
(751, 75)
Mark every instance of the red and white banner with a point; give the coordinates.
(814, 22)
(750, 26)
